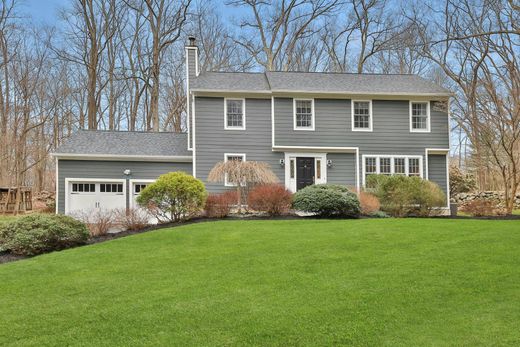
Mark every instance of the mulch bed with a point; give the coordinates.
(6, 257)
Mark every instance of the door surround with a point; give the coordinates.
(290, 183)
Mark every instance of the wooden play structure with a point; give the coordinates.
(8, 196)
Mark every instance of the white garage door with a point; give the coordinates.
(136, 187)
(87, 195)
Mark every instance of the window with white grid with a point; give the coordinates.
(231, 157)
(414, 168)
(391, 165)
(385, 166)
(399, 166)
(362, 114)
(420, 116)
(303, 115)
(235, 114)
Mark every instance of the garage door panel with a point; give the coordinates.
(100, 194)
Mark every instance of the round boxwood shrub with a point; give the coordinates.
(327, 200)
(39, 233)
(173, 197)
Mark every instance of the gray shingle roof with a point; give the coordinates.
(317, 82)
(238, 81)
(134, 143)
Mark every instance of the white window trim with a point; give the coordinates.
(392, 169)
(427, 130)
(312, 115)
(370, 112)
(226, 155)
(243, 127)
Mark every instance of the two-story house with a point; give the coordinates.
(310, 127)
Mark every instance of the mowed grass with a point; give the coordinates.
(387, 282)
(4, 218)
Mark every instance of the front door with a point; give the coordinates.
(304, 172)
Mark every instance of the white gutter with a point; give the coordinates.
(122, 157)
(289, 91)
(315, 148)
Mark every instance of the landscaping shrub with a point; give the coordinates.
(98, 221)
(379, 214)
(219, 205)
(327, 200)
(39, 233)
(274, 199)
(175, 196)
(402, 196)
(132, 219)
(369, 203)
(482, 208)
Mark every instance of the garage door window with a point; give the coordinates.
(138, 188)
(83, 188)
(111, 187)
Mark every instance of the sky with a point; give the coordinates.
(43, 11)
(46, 11)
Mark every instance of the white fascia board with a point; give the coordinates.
(437, 150)
(307, 93)
(308, 149)
(113, 157)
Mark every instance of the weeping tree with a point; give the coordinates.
(241, 174)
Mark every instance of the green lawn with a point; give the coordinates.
(6, 218)
(386, 282)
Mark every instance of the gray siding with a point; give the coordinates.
(343, 170)
(111, 169)
(212, 140)
(391, 127)
(391, 134)
(437, 170)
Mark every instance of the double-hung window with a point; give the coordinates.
(303, 114)
(419, 116)
(414, 167)
(234, 114)
(361, 115)
(391, 165)
(231, 181)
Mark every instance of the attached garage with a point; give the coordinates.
(107, 170)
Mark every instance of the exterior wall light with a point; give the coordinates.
(282, 162)
(329, 163)
(127, 172)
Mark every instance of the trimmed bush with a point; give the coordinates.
(274, 199)
(482, 208)
(402, 196)
(98, 221)
(369, 203)
(219, 205)
(175, 196)
(132, 219)
(40, 233)
(327, 200)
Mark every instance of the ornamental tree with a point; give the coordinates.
(175, 196)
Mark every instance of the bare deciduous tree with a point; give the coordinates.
(273, 30)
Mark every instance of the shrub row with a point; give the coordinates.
(402, 196)
(39, 233)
